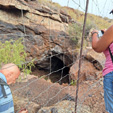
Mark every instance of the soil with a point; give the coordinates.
(90, 91)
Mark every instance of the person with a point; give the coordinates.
(105, 45)
(8, 75)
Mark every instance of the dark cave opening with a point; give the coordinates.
(58, 73)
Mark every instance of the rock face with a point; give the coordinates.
(92, 64)
(42, 29)
(44, 33)
(64, 107)
(20, 103)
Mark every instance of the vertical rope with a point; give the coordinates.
(83, 33)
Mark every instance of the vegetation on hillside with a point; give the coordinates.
(78, 15)
(75, 29)
(14, 52)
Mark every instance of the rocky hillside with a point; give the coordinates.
(44, 30)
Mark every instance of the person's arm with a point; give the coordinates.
(103, 43)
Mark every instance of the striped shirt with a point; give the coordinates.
(6, 104)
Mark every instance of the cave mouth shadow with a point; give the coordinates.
(58, 73)
(60, 77)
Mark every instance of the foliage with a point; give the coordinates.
(72, 14)
(55, 4)
(75, 32)
(43, 1)
(14, 52)
(73, 82)
(89, 25)
(100, 22)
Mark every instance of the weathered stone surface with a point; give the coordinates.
(64, 18)
(98, 59)
(44, 34)
(64, 107)
(87, 71)
(41, 95)
(46, 10)
(21, 12)
(39, 90)
(20, 103)
(92, 63)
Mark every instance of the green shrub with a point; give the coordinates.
(73, 82)
(14, 52)
(89, 25)
(75, 32)
(100, 22)
(43, 1)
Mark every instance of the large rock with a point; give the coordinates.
(91, 66)
(98, 59)
(87, 71)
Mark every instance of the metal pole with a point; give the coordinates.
(83, 33)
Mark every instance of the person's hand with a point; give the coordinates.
(23, 111)
(94, 32)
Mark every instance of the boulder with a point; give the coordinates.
(92, 64)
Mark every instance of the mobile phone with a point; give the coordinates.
(100, 33)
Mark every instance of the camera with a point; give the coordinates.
(100, 33)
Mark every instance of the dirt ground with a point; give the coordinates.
(46, 93)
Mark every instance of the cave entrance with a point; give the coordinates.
(58, 72)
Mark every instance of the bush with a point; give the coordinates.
(89, 25)
(13, 52)
(73, 82)
(75, 32)
(43, 1)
